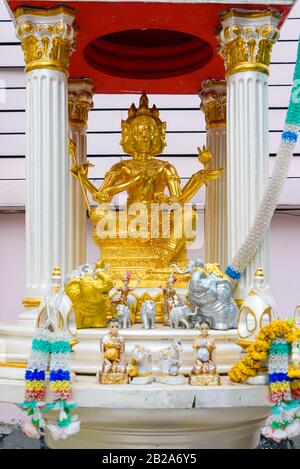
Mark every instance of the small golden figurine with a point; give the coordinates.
(204, 371)
(122, 296)
(171, 299)
(112, 345)
(89, 294)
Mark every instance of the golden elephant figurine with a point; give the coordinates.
(89, 296)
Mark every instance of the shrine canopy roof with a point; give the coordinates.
(160, 47)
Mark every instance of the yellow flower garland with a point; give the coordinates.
(258, 351)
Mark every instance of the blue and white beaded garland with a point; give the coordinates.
(265, 212)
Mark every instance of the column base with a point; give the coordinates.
(30, 314)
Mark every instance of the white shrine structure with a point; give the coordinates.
(232, 89)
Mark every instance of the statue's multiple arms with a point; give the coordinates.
(82, 170)
(197, 180)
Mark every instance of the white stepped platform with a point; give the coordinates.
(160, 416)
(15, 342)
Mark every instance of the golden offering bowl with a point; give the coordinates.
(111, 354)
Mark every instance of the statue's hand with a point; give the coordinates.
(160, 197)
(81, 169)
(173, 199)
(101, 197)
(209, 174)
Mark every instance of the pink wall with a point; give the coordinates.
(285, 262)
(284, 256)
(12, 261)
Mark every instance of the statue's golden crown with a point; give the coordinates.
(143, 110)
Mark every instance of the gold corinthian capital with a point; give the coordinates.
(80, 101)
(246, 39)
(47, 36)
(213, 102)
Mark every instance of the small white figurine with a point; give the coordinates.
(179, 316)
(148, 314)
(169, 364)
(140, 367)
(123, 313)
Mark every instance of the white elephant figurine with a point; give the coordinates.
(169, 364)
(140, 368)
(148, 314)
(179, 316)
(123, 313)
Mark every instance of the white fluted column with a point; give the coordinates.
(80, 101)
(246, 40)
(213, 104)
(47, 39)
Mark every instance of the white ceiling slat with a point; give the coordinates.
(4, 15)
(12, 145)
(181, 120)
(281, 74)
(284, 52)
(123, 101)
(11, 122)
(108, 144)
(7, 32)
(16, 99)
(12, 78)
(295, 11)
(279, 96)
(290, 29)
(12, 193)
(110, 121)
(12, 168)
(11, 56)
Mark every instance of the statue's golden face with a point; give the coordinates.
(143, 133)
(143, 136)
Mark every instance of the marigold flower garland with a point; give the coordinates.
(274, 342)
(259, 351)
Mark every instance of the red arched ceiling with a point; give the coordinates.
(176, 51)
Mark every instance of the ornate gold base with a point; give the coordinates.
(113, 378)
(148, 277)
(204, 380)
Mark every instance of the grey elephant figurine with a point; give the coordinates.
(192, 265)
(212, 295)
(148, 314)
(179, 316)
(123, 313)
